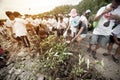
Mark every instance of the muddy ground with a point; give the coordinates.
(109, 68)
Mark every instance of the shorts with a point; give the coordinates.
(102, 40)
(112, 39)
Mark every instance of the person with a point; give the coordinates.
(9, 24)
(48, 23)
(43, 31)
(102, 31)
(66, 19)
(87, 15)
(61, 25)
(82, 28)
(19, 28)
(116, 39)
(73, 22)
(36, 24)
(30, 25)
(3, 30)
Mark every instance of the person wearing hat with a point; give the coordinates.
(82, 28)
(73, 21)
(20, 30)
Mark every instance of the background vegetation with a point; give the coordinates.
(93, 5)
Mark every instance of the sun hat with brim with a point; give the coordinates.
(73, 13)
(16, 14)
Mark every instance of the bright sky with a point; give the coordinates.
(31, 6)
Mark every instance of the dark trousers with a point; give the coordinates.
(25, 41)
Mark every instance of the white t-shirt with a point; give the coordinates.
(73, 22)
(116, 31)
(84, 20)
(36, 22)
(116, 11)
(54, 23)
(44, 21)
(100, 28)
(9, 23)
(66, 20)
(20, 27)
(30, 20)
(49, 24)
(61, 25)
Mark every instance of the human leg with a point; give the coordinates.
(94, 51)
(110, 46)
(109, 49)
(78, 43)
(92, 41)
(116, 55)
(27, 43)
(103, 40)
(79, 39)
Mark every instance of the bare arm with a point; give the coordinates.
(80, 31)
(115, 17)
(104, 12)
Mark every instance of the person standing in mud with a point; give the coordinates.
(102, 31)
(114, 38)
(82, 28)
(73, 21)
(20, 30)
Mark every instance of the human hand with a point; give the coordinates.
(107, 10)
(115, 17)
(71, 40)
(118, 43)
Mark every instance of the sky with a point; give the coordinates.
(31, 6)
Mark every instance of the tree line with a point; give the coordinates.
(93, 5)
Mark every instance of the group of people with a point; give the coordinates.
(19, 26)
(73, 27)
